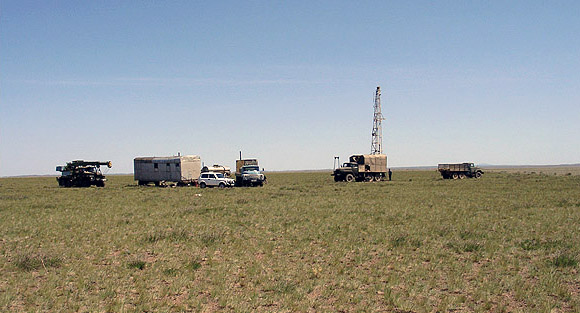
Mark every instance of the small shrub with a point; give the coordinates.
(140, 265)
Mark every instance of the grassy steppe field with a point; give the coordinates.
(507, 242)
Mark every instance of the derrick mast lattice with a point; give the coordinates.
(377, 141)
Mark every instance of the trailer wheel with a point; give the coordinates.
(455, 176)
(202, 185)
(349, 178)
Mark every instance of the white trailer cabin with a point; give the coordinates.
(183, 170)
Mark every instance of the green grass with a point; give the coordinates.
(507, 242)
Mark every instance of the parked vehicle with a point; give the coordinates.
(216, 168)
(210, 179)
(248, 173)
(459, 171)
(81, 173)
(183, 170)
(362, 167)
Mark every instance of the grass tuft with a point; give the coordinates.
(460, 247)
(30, 262)
(193, 265)
(564, 260)
(398, 241)
(152, 238)
(137, 264)
(170, 272)
(211, 238)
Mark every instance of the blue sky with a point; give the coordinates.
(290, 83)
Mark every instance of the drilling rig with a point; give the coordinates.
(377, 141)
(81, 173)
(367, 167)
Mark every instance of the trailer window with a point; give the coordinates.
(155, 165)
(176, 164)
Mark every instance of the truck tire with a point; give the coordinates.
(462, 176)
(336, 178)
(455, 176)
(349, 178)
(222, 185)
(202, 185)
(477, 174)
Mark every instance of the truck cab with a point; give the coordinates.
(250, 175)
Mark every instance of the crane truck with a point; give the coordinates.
(81, 173)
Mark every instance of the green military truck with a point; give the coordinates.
(459, 171)
(362, 167)
(81, 173)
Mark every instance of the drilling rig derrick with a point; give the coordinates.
(377, 134)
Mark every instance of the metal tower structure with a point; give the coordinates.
(377, 142)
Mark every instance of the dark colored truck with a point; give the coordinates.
(362, 167)
(459, 171)
(81, 173)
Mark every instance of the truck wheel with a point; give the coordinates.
(222, 185)
(478, 175)
(336, 178)
(455, 176)
(462, 176)
(202, 185)
(349, 178)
